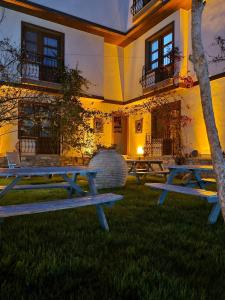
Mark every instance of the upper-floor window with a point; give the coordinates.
(159, 49)
(43, 53)
(159, 62)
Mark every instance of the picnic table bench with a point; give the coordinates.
(210, 196)
(33, 208)
(143, 167)
(59, 185)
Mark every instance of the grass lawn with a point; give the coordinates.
(151, 252)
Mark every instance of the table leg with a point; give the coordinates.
(138, 178)
(214, 214)
(10, 186)
(74, 186)
(161, 167)
(102, 218)
(198, 179)
(71, 190)
(132, 168)
(150, 167)
(100, 211)
(170, 178)
(91, 182)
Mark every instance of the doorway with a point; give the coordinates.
(120, 136)
(166, 128)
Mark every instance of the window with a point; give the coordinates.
(43, 51)
(159, 50)
(36, 123)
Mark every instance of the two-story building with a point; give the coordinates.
(122, 48)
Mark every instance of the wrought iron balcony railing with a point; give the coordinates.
(40, 67)
(138, 5)
(151, 77)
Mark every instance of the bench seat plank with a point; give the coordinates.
(141, 173)
(210, 180)
(211, 196)
(161, 172)
(38, 186)
(33, 208)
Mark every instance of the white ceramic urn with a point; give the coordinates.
(113, 169)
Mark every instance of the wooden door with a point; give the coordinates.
(120, 128)
(166, 127)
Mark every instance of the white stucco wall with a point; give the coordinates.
(81, 48)
(213, 25)
(110, 13)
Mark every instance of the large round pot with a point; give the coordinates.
(112, 169)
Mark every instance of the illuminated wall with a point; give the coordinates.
(138, 139)
(113, 72)
(8, 139)
(194, 135)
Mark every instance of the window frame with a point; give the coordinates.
(41, 33)
(158, 36)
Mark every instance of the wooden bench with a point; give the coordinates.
(193, 183)
(210, 196)
(209, 180)
(59, 185)
(99, 201)
(140, 174)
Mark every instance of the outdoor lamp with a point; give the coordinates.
(140, 151)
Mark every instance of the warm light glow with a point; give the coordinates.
(140, 150)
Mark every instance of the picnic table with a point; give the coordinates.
(70, 183)
(142, 167)
(195, 179)
(17, 174)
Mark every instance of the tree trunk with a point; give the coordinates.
(201, 68)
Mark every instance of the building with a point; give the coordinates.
(122, 48)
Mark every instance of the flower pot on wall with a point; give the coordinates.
(113, 169)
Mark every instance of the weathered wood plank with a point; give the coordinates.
(162, 172)
(33, 208)
(209, 180)
(186, 168)
(141, 173)
(38, 186)
(42, 171)
(211, 196)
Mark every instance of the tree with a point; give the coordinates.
(74, 120)
(200, 63)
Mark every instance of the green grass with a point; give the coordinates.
(150, 253)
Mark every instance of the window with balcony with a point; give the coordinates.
(43, 53)
(159, 58)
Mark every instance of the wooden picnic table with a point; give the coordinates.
(146, 164)
(194, 170)
(142, 167)
(196, 180)
(17, 174)
(87, 198)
